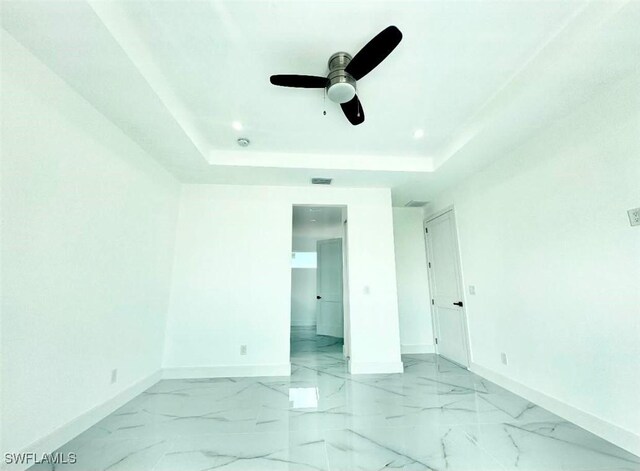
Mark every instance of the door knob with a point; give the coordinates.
(318, 297)
(459, 303)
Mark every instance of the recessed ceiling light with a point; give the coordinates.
(418, 134)
(243, 142)
(313, 220)
(237, 125)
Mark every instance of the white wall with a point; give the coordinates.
(544, 237)
(87, 235)
(416, 332)
(232, 279)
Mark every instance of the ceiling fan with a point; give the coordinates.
(345, 70)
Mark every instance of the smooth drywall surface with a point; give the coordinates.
(232, 278)
(546, 241)
(416, 332)
(87, 235)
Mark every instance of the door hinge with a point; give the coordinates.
(426, 230)
(429, 264)
(436, 340)
(432, 303)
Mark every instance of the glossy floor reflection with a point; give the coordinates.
(435, 416)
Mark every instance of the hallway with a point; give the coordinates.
(435, 416)
(305, 344)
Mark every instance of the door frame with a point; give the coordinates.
(461, 285)
(346, 345)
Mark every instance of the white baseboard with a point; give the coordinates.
(369, 368)
(227, 371)
(75, 427)
(418, 348)
(615, 434)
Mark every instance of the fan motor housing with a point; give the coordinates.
(342, 86)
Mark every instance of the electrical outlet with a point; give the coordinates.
(634, 216)
(114, 376)
(243, 349)
(472, 289)
(503, 357)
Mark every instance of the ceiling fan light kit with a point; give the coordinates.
(342, 86)
(345, 71)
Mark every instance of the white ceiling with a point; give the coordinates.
(317, 221)
(477, 77)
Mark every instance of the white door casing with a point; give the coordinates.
(445, 282)
(346, 347)
(329, 314)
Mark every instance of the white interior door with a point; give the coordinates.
(446, 289)
(329, 314)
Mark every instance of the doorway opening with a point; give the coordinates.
(318, 288)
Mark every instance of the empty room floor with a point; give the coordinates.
(435, 416)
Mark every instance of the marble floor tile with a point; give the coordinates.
(113, 455)
(552, 446)
(274, 451)
(171, 418)
(432, 447)
(434, 416)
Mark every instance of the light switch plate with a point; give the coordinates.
(472, 289)
(634, 216)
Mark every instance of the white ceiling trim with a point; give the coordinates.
(123, 31)
(321, 161)
(576, 28)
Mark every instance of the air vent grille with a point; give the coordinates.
(321, 181)
(416, 204)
